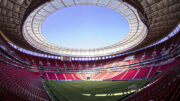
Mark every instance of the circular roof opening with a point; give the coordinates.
(85, 27)
(32, 28)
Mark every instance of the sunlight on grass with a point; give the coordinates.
(111, 94)
(93, 90)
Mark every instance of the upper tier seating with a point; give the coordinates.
(150, 53)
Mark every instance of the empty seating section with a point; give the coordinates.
(29, 60)
(119, 75)
(59, 63)
(171, 45)
(52, 76)
(96, 75)
(159, 49)
(130, 74)
(45, 75)
(119, 61)
(43, 61)
(98, 63)
(148, 53)
(8, 95)
(164, 88)
(137, 58)
(166, 66)
(100, 75)
(84, 65)
(68, 76)
(111, 62)
(22, 84)
(91, 64)
(103, 63)
(153, 71)
(109, 76)
(135, 73)
(35, 60)
(68, 64)
(60, 76)
(79, 76)
(83, 76)
(75, 76)
(143, 72)
(52, 62)
(126, 62)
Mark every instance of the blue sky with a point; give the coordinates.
(84, 27)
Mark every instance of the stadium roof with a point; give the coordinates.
(33, 35)
(160, 16)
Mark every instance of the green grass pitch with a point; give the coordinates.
(91, 90)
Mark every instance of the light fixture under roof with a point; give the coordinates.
(33, 35)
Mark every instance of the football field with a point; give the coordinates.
(92, 90)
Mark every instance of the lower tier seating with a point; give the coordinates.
(20, 85)
(165, 88)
